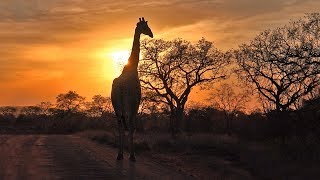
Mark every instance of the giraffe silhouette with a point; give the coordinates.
(126, 91)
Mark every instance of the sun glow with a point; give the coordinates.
(120, 57)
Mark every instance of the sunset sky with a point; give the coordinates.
(51, 46)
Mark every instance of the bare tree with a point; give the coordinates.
(8, 110)
(283, 64)
(70, 102)
(45, 107)
(8, 113)
(31, 110)
(225, 98)
(150, 103)
(99, 105)
(171, 69)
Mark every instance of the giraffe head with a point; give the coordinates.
(143, 28)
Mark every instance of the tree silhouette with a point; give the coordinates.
(99, 105)
(283, 64)
(8, 110)
(70, 102)
(225, 98)
(31, 110)
(172, 68)
(45, 107)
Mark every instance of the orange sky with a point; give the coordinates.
(52, 46)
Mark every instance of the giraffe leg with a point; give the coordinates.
(121, 138)
(131, 133)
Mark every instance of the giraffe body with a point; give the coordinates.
(126, 95)
(126, 92)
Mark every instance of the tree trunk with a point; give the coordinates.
(278, 104)
(188, 125)
(179, 119)
(172, 118)
(228, 123)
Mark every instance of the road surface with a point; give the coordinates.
(71, 157)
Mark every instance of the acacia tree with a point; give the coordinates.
(70, 102)
(171, 69)
(151, 103)
(230, 102)
(31, 111)
(283, 64)
(45, 107)
(8, 110)
(99, 105)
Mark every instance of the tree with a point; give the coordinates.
(31, 110)
(230, 102)
(8, 110)
(283, 64)
(8, 113)
(150, 103)
(171, 69)
(70, 102)
(45, 107)
(99, 105)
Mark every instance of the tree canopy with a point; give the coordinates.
(70, 102)
(283, 64)
(171, 69)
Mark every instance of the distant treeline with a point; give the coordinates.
(72, 114)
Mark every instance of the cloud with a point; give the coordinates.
(55, 41)
(67, 10)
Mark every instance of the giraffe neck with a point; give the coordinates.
(134, 56)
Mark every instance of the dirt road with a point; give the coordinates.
(70, 157)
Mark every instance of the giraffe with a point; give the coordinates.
(126, 91)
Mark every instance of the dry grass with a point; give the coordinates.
(264, 160)
(164, 141)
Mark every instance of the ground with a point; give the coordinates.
(35, 156)
(71, 157)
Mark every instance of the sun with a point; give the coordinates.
(120, 57)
